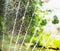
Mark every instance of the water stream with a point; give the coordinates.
(25, 10)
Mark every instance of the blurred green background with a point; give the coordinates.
(31, 20)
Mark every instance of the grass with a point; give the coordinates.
(6, 45)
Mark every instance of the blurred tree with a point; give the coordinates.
(2, 7)
(55, 20)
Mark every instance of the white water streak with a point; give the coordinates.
(32, 36)
(5, 13)
(45, 43)
(37, 2)
(38, 38)
(27, 29)
(14, 23)
(21, 24)
(6, 8)
(3, 41)
(25, 35)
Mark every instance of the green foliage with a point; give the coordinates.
(1, 28)
(48, 41)
(1, 7)
(0, 23)
(43, 22)
(38, 22)
(55, 20)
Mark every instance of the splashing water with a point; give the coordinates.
(27, 30)
(21, 25)
(14, 24)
